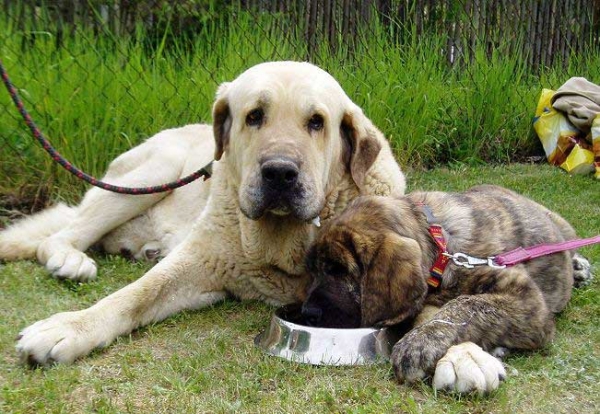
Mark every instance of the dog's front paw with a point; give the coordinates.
(72, 264)
(62, 338)
(414, 356)
(466, 368)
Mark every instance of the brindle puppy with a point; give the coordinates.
(371, 266)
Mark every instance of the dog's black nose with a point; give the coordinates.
(279, 174)
(311, 315)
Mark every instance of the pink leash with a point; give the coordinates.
(523, 254)
(518, 255)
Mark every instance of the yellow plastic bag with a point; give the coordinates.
(579, 161)
(563, 144)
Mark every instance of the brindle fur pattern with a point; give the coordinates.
(371, 264)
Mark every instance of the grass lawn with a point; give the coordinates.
(205, 361)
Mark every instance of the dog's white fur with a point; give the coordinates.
(225, 252)
(466, 367)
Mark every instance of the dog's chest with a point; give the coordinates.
(280, 245)
(272, 270)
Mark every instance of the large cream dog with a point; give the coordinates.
(291, 148)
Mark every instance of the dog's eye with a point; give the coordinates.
(316, 122)
(334, 269)
(255, 117)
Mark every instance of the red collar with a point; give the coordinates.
(442, 259)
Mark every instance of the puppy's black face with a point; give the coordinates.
(334, 298)
(364, 272)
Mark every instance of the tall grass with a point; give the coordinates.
(97, 96)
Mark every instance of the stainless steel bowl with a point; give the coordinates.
(286, 338)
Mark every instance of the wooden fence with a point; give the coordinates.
(543, 31)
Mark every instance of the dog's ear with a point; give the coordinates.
(393, 287)
(361, 143)
(221, 121)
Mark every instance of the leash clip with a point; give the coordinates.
(469, 262)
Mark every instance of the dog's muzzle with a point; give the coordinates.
(279, 191)
(281, 188)
(279, 175)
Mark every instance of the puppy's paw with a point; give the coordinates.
(582, 271)
(414, 356)
(466, 368)
(62, 338)
(72, 264)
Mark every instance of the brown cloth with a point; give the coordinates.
(579, 100)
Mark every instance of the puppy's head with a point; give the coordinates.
(365, 271)
(289, 133)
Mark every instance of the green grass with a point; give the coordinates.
(205, 361)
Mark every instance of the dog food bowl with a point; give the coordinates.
(287, 338)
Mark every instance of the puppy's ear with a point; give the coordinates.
(361, 144)
(221, 121)
(394, 287)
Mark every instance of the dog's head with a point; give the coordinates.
(367, 269)
(289, 133)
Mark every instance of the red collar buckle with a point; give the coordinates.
(442, 259)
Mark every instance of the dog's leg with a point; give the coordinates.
(188, 278)
(513, 314)
(21, 239)
(100, 212)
